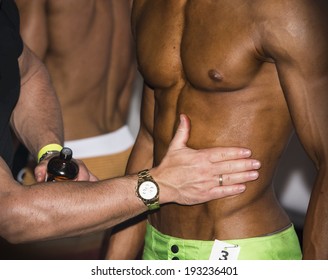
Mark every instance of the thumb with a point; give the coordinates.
(40, 173)
(182, 134)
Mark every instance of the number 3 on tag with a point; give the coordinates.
(224, 251)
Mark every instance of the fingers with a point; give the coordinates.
(84, 174)
(234, 166)
(219, 154)
(222, 192)
(202, 195)
(92, 178)
(236, 171)
(40, 171)
(182, 134)
(236, 178)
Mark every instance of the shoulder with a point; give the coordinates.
(287, 10)
(290, 25)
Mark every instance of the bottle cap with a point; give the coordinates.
(66, 153)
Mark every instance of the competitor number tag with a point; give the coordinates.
(224, 251)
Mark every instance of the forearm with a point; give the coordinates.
(37, 118)
(48, 210)
(63, 209)
(66, 209)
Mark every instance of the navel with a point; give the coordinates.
(215, 75)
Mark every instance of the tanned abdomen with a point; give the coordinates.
(232, 97)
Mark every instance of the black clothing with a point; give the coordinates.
(11, 47)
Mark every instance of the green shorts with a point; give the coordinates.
(283, 245)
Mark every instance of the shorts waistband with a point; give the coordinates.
(281, 245)
(102, 145)
(164, 237)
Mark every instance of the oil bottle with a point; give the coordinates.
(62, 167)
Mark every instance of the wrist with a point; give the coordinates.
(48, 150)
(148, 190)
(167, 193)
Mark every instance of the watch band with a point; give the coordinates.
(153, 206)
(143, 176)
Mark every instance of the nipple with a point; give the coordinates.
(215, 75)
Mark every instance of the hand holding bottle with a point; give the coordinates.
(62, 167)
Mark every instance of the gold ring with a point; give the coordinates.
(220, 180)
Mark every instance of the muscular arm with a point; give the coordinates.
(36, 119)
(63, 209)
(300, 53)
(37, 98)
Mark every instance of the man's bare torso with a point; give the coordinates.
(89, 55)
(206, 59)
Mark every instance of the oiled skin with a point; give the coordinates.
(242, 71)
(87, 47)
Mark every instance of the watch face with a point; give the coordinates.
(148, 190)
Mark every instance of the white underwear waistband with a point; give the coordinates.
(102, 145)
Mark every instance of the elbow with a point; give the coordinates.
(12, 238)
(12, 235)
(12, 230)
(19, 222)
(15, 226)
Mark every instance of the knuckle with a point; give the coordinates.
(228, 180)
(230, 167)
(222, 155)
(203, 158)
(247, 164)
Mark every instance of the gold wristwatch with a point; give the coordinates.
(148, 190)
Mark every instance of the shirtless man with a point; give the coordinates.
(247, 72)
(87, 48)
